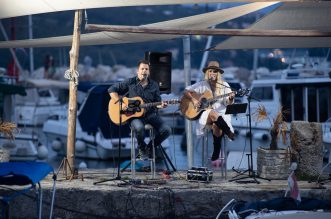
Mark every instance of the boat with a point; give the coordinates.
(96, 136)
(26, 145)
(304, 91)
(39, 103)
(280, 208)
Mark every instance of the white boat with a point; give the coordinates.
(96, 136)
(39, 103)
(304, 92)
(293, 214)
(276, 208)
(26, 145)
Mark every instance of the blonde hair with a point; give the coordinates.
(219, 88)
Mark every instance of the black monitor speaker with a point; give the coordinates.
(160, 69)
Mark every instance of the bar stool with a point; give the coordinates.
(151, 131)
(205, 152)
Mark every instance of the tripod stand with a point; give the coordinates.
(118, 176)
(251, 173)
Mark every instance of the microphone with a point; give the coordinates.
(212, 79)
(145, 76)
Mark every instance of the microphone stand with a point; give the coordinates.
(250, 170)
(118, 176)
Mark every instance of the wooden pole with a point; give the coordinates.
(72, 75)
(209, 32)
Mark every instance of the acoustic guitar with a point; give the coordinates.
(134, 108)
(207, 100)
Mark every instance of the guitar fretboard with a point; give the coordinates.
(146, 105)
(213, 100)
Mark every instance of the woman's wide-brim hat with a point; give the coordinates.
(213, 65)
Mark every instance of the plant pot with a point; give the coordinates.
(273, 164)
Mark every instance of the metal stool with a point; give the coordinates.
(149, 128)
(205, 144)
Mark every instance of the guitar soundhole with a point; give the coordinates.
(134, 103)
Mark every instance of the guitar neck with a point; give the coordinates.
(213, 100)
(146, 105)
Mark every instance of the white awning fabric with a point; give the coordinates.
(16, 8)
(100, 38)
(289, 16)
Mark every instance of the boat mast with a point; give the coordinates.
(12, 51)
(31, 48)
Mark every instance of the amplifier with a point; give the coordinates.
(200, 174)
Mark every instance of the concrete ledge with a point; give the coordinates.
(177, 198)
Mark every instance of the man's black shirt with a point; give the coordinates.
(149, 94)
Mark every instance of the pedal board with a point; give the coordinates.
(199, 174)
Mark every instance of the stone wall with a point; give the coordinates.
(307, 146)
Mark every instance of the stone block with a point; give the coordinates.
(307, 146)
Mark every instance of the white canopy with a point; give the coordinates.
(100, 38)
(15, 8)
(289, 16)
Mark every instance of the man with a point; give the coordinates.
(144, 87)
(214, 115)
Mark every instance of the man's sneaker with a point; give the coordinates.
(142, 154)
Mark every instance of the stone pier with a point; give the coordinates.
(171, 198)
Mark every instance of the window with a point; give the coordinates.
(262, 93)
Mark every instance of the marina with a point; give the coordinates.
(68, 150)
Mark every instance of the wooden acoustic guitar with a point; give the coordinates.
(134, 108)
(207, 100)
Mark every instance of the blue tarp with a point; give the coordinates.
(23, 173)
(93, 116)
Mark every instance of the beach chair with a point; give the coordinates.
(27, 176)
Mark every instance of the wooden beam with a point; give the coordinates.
(209, 32)
(72, 75)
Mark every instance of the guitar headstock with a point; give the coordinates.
(242, 92)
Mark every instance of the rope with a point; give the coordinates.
(71, 76)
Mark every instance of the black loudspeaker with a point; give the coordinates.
(160, 69)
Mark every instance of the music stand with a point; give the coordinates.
(236, 108)
(250, 170)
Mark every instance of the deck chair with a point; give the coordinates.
(28, 175)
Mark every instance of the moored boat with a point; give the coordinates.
(305, 92)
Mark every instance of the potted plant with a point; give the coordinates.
(6, 128)
(273, 162)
